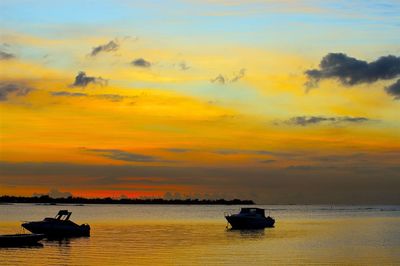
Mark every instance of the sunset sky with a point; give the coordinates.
(275, 101)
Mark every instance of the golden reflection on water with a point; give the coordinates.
(348, 240)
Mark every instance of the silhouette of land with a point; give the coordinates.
(79, 200)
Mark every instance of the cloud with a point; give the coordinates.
(11, 88)
(267, 161)
(120, 155)
(230, 151)
(109, 47)
(218, 79)
(303, 183)
(304, 167)
(394, 90)
(54, 193)
(140, 62)
(339, 158)
(258, 152)
(351, 71)
(183, 66)
(68, 94)
(313, 120)
(6, 56)
(239, 75)
(178, 150)
(108, 97)
(221, 79)
(81, 80)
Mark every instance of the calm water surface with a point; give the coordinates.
(196, 235)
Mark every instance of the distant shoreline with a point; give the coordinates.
(79, 200)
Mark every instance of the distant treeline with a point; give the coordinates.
(78, 200)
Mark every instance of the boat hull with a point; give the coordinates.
(246, 222)
(17, 240)
(59, 229)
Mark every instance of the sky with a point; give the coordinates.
(275, 101)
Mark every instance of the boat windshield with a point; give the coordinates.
(63, 215)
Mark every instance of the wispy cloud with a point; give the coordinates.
(6, 56)
(108, 47)
(120, 155)
(108, 97)
(256, 152)
(55, 193)
(178, 150)
(223, 79)
(140, 62)
(267, 161)
(183, 66)
(68, 94)
(238, 76)
(304, 167)
(7, 89)
(218, 79)
(313, 120)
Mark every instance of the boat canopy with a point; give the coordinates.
(253, 211)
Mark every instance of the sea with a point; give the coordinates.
(198, 235)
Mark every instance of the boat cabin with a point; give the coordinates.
(253, 211)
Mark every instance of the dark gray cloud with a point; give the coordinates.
(68, 94)
(394, 90)
(12, 88)
(351, 71)
(140, 62)
(313, 120)
(109, 47)
(82, 80)
(123, 155)
(6, 56)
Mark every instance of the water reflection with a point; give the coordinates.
(30, 246)
(58, 241)
(253, 234)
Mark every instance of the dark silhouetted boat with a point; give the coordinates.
(18, 240)
(250, 218)
(60, 226)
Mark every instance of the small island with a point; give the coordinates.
(45, 199)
